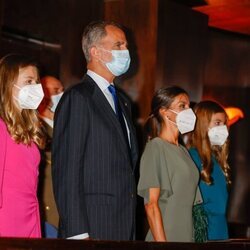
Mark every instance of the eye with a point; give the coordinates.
(31, 81)
(120, 45)
(28, 82)
(217, 123)
(182, 106)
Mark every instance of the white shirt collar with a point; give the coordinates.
(100, 81)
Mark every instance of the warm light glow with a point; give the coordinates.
(230, 15)
(226, 2)
(234, 114)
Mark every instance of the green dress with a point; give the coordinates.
(170, 168)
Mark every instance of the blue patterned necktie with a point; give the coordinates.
(118, 112)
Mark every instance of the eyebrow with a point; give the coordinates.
(30, 77)
(121, 43)
(183, 102)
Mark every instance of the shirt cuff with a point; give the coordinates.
(79, 237)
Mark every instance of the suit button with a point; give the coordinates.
(47, 208)
(132, 196)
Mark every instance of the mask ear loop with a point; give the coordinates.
(174, 111)
(170, 120)
(17, 86)
(15, 98)
(103, 62)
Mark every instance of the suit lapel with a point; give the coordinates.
(109, 115)
(133, 142)
(106, 110)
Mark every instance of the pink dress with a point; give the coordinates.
(19, 209)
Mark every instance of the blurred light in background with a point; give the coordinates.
(234, 114)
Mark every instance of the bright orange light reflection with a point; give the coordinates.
(234, 114)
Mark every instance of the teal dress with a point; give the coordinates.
(215, 199)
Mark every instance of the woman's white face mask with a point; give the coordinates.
(185, 120)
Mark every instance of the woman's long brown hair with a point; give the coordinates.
(200, 140)
(163, 98)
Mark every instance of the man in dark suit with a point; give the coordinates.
(94, 149)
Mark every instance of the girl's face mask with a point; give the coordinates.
(218, 135)
(30, 96)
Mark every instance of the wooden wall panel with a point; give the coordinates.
(182, 48)
(228, 60)
(57, 22)
(77, 15)
(1, 15)
(42, 54)
(36, 19)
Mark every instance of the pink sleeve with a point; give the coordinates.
(3, 139)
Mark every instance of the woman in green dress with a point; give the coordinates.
(168, 176)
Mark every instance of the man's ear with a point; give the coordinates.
(94, 53)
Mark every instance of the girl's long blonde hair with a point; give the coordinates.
(200, 140)
(23, 125)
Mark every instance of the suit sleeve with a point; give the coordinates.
(69, 137)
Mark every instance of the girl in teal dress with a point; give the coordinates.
(209, 150)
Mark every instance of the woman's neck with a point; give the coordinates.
(169, 134)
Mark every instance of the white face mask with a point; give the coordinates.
(218, 135)
(55, 100)
(30, 96)
(120, 61)
(185, 120)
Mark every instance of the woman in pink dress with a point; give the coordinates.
(20, 137)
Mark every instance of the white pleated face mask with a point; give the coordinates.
(185, 120)
(218, 135)
(30, 96)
